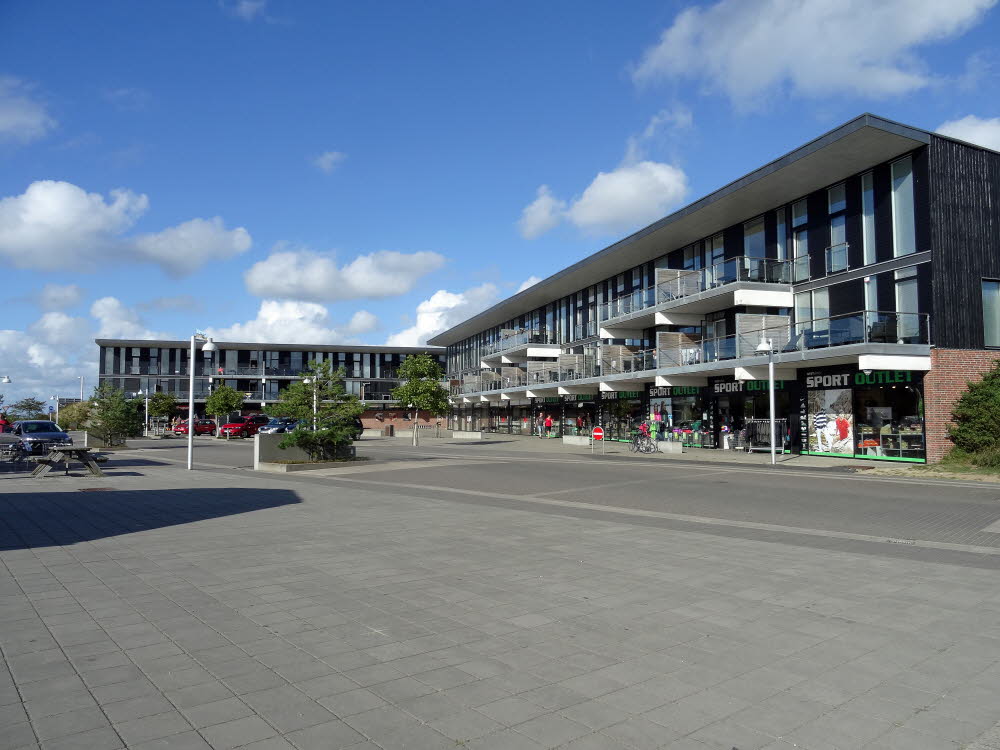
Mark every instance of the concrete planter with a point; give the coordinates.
(461, 435)
(273, 468)
(266, 451)
(670, 446)
(576, 440)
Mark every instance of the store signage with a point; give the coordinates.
(844, 380)
(551, 400)
(579, 397)
(615, 395)
(598, 433)
(739, 386)
(674, 390)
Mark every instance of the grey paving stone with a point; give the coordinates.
(551, 730)
(466, 725)
(103, 737)
(352, 702)
(331, 735)
(152, 727)
(216, 712)
(136, 708)
(184, 741)
(70, 722)
(238, 733)
(329, 684)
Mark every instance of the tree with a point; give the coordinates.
(223, 401)
(977, 414)
(162, 405)
(29, 408)
(113, 416)
(323, 403)
(422, 389)
(75, 416)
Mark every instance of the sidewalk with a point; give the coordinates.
(533, 444)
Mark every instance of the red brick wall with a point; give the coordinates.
(395, 417)
(951, 371)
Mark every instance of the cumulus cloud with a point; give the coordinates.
(23, 117)
(292, 322)
(752, 49)
(542, 214)
(623, 199)
(528, 282)
(362, 322)
(59, 296)
(116, 320)
(316, 277)
(61, 330)
(329, 160)
(978, 130)
(56, 224)
(443, 310)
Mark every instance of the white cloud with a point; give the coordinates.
(443, 310)
(59, 296)
(528, 282)
(183, 249)
(316, 277)
(116, 320)
(329, 160)
(289, 322)
(978, 130)
(626, 198)
(362, 322)
(248, 10)
(542, 214)
(672, 121)
(129, 99)
(629, 197)
(23, 118)
(55, 225)
(751, 49)
(61, 330)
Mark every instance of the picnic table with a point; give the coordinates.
(64, 454)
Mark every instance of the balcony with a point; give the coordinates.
(741, 280)
(521, 344)
(836, 258)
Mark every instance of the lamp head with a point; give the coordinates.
(764, 347)
(5, 380)
(210, 346)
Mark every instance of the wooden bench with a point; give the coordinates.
(61, 454)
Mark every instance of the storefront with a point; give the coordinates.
(547, 408)
(579, 414)
(740, 413)
(677, 413)
(620, 411)
(873, 414)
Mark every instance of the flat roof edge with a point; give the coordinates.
(264, 345)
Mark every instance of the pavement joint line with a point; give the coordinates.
(751, 470)
(592, 487)
(704, 520)
(993, 528)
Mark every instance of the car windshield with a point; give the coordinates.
(238, 420)
(40, 427)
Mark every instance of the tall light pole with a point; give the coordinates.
(315, 384)
(209, 346)
(56, 399)
(145, 424)
(80, 378)
(767, 345)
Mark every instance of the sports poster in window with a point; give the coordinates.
(831, 421)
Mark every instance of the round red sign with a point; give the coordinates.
(598, 433)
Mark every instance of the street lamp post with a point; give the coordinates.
(767, 345)
(56, 399)
(315, 384)
(80, 378)
(209, 346)
(145, 424)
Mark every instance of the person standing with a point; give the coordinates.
(548, 425)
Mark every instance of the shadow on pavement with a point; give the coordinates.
(45, 519)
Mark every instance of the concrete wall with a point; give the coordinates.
(265, 450)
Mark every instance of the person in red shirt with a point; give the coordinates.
(548, 425)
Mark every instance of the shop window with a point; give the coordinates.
(991, 313)
(890, 419)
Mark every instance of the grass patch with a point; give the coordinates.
(983, 466)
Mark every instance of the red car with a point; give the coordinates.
(244, 426)
(201, 427)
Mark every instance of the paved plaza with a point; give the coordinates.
(482, 597)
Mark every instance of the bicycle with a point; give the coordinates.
(642, 444)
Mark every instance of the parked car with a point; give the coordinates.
(201, 427)
(244, 426)
(36, 435)
(278, 425)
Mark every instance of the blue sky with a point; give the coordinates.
(270, 170)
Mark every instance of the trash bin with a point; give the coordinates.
(389, 431)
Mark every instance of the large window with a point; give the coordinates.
(753, 238)
(800, 240)
(903, 228)
(907, 306)
(991, 313)
(781, 238)
(836, 253)
(868, 216)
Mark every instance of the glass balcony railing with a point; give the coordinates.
(836, 258)
(518, 339)
(585, 330)
(640, 361)
(800, 269)
(743, 268)
(864, 327)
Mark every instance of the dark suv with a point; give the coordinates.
(37, 435)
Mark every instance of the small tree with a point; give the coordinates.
(29, 408)
(162, 405)
(113, 416)
(323, 402)
(75, 416)
(223, 401)
(422, 389)
(977, 415)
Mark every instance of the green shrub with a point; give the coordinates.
(321, 445)
(977, 416)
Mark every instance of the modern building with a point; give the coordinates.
(260, 371)
(868, 260)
